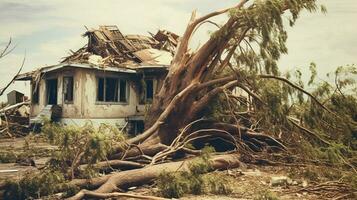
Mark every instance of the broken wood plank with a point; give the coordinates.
(14, 106)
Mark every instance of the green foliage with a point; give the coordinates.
(80, 144)
(219, 184)
(266, 35)
(28, 150)
(171, 185)
(313, 73)
(340, 129)
(276, 104)
(75, 145)
(193, 181)
(34, 186)
(284, 104)
(7, 157)
(175, 185)
(266, 195)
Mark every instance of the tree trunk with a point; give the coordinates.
(137, 177)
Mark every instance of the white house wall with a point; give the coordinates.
(91, 108)
(84, 104)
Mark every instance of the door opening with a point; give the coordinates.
(51, 89)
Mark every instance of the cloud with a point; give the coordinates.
(328, 40)
(48, 29)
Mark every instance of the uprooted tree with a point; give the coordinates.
(196, 104)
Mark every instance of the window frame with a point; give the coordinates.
(143, 95)
(35, 94)
(104, 102)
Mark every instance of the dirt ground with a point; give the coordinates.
(29, 147)
(254, 182)
(247, 182)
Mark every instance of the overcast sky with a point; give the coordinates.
(46, 30)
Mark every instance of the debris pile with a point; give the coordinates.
(14, 120)
(107, 46)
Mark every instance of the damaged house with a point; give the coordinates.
(111, 80)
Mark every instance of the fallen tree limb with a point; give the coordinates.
(136, 177)
(140, 150)
(309, 132)
(114, 164)
(97, 195)
(298, 88)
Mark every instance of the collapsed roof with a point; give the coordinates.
(107, 46)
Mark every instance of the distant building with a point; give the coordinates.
(110, 80)
(15, 97)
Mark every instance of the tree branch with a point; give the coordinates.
(163, 115)
(7, 49)
(308, 131)
(12, 80)
(298, 88)
(98, 195)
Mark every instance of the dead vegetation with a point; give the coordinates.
(14, 120)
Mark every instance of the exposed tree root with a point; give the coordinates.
(143, 149)
(246, 135)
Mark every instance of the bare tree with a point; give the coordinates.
(7, 50)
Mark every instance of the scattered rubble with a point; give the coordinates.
(14, 120)
(280, 181)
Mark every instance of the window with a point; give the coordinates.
(35, 93)
(135, 127)
(112, 90)
(147, 92)
(68, 89)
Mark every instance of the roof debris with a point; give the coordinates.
(14, 120)
(107, 46)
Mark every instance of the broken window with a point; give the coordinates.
(68, 89)
(135, 127)
(112, 90)
(35, 93)
(147, 92)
